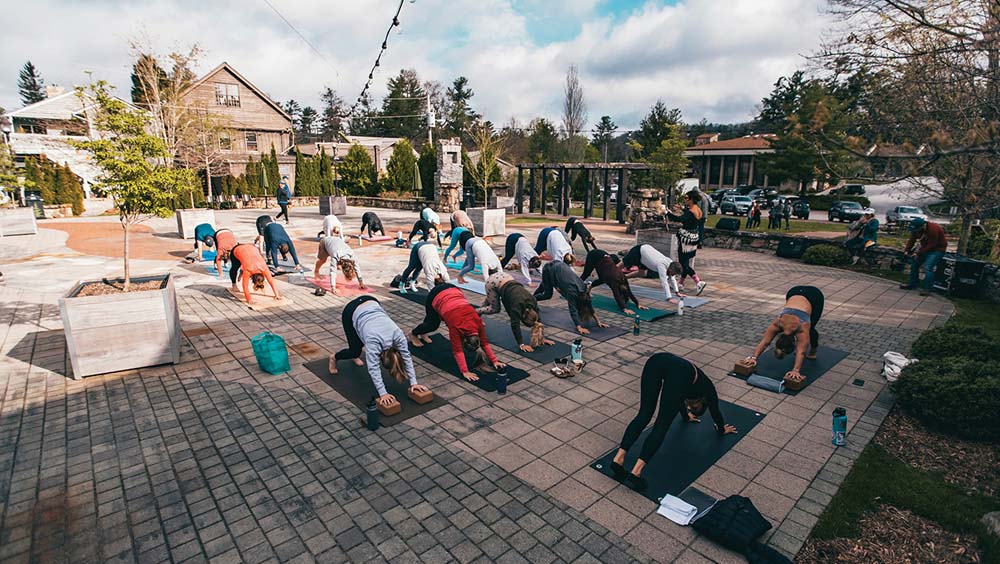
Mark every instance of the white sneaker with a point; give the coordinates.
(700, 287)
(412, 287)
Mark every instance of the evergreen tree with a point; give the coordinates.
(307, 124)
(252, 176)
(356, 171)
(428, 166)
(654, 128)
(33, 173)
(300, 174)
(140, 92)
(364, 123)
(74, 190)
(460, 115)
(271, 169)
(294, 110)
(326, 181)
(604, 132)
(543, 141)
(669, 165)
(30, 85)
(330, 123)
(405, 98)
(399, 171)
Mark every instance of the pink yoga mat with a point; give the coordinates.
(344, 288)
(376, 238)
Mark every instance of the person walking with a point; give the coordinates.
(933, 244)
(284, 197)
(678, 387)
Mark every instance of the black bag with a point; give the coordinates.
(763, 554)
(734, 523)
(792, 247)
(395, 281)
(728, 224)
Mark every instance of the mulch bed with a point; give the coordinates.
(972, 466)
(117, 287)
(893, 536)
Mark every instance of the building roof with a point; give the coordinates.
(58, 150)
(748, 142)
(65, 106)
(383, 142)
(707, 135)
(225, 66)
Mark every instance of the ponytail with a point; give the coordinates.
(392, 360)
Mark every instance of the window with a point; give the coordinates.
(251, 137)
(225, 143)
(227, 94)
(32, 128)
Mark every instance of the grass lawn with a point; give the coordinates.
(978, 313)
(798, 225)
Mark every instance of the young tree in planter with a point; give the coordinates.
(129, 155)
(490, 148)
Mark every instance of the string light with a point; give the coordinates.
(378, 60)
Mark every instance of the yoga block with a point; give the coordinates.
(744, 367)
(421, 397)
(794, 383)
(390, 410)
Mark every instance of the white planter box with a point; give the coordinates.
(187, 220)
(488, 222)
(121, 331)
(18, 221)
(660, 239)
(336, 205)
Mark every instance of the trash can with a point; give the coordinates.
(959, 276)
(272, 356)
(468, 197)
(34, 200)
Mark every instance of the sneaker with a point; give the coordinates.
(925, 292)
(412, 287)
(700, 288)
(854, 260)
(402, 288)
(906, 287)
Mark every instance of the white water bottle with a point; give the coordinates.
(680, 305)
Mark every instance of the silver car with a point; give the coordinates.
(905, 214)
(736, 205)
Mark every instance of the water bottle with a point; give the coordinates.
(680, 305)
(372, 413)
(635, 325)
(577, 352)
(839, 426)
(502, 380)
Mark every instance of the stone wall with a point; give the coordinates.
(412, 204)
(448, 177)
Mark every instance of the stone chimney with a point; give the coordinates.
(54, 90)
(448, 177)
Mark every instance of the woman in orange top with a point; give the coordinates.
(247, 258)
(225, 242)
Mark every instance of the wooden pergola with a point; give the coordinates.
(564, 170)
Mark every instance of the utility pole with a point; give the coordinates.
(430, 120)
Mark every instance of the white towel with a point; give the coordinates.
(677, 510)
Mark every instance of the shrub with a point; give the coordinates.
(826, 255)
(958, 341)
(955, 395)
(823, 203)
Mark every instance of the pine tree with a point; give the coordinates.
(356, 170)
(307, 124)
(428, 166)
(140, 90)
(252, 176)
(460, 115)
(330, 123)
(294, 110)
(604, 132)
(326, 181)
(300, 174)
(656, 127)
(73, 190)
(405, 97)
(399, 171)
(30, 85)
(273, 174)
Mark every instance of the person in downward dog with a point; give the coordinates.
(371, 221)
(553, 241)
(261, 223)
(643, 259)
(248, 264)
(518, 249)
(455, 242)
(426, 230)
(423, 258)
(520, 305)
(559, 276)
(466, 329)
(368, 327)
(225, 242)
(340, 255)
(608, 272)
(678, 387)
(276, 240)
(794, 328)
(478, 250)
(331, 226)
(204, 238)
(575, 228)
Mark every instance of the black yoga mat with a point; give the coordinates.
(687, 452)
(769, 366)
(354, 383)
(558, 316)
(438, 353)
(498, 333)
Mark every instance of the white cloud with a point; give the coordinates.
(712, 59)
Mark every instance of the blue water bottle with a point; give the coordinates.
(577, 352)
(502, 380)
(635, 325)
(372, 413)
(839, 426)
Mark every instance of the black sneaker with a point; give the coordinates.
(638, 483)
(907, 287)
(618, 470)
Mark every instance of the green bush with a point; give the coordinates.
(826, 255)
(956, 395)
(952, 340)
(823, 203)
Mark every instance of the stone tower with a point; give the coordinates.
(448, 178)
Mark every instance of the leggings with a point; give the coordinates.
(508, 249)
(423, 227)
(432, 320)
(664, 381)
(234, 268)
(283, 212)
(685, 260)
(354, 342)
(815, 297)
(414, 266)
(373, 225)
(543, 240)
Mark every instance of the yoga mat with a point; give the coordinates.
(263, 299)
(460, 265)
(206, 256)
(688, 450)
(344, 288)
(609, 304)
(438, 353)
(770, 367)
(472, 285)
(210, 268)
(763, 382)
(355, 384)
(656, 294)
(499, 334)
(376, 238)
(556, 316)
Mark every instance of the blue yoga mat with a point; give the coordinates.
(460, 265)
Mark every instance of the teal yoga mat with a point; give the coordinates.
(608, 304)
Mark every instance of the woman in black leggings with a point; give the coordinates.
(689, 239)
(678, 387)
(802, 311)
(373, 223)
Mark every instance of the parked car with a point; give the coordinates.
(800, 208)
(736, 205)
(745, 189)
(904, 214)
(764, 196)
(845, 211)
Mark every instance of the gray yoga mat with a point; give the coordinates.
(769, 366)
(499, 334)
(656, 294)
(355, 384)
(438, 353)
(688, 450)
(558, 316)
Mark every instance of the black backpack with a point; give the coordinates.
(734, 523)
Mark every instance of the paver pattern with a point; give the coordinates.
(214, 460)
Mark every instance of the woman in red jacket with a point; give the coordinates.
(466, 329)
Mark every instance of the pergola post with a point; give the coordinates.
(620, 204)
(519, 194)
(607, 193)
(545, 199)
(565, 190)
(588, 197)
(531, 190)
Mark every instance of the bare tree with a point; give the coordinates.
(491, 147)
(574, 105)
(932, 86)
(207, 138)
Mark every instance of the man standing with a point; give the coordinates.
(284, 195)
(933, 244)
(786, 212)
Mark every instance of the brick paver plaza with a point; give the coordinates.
(213, 459)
